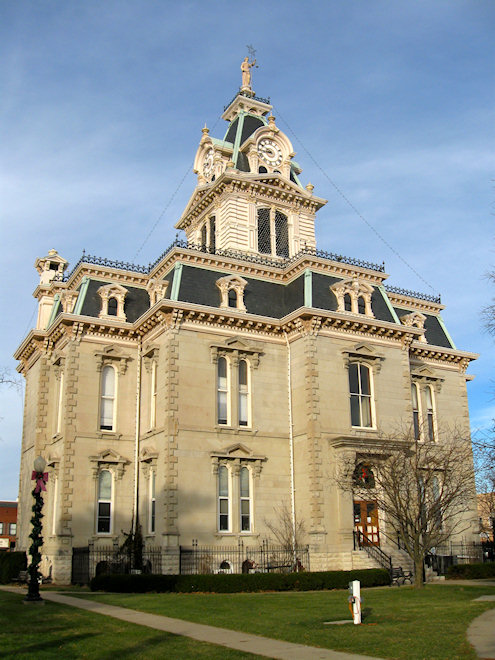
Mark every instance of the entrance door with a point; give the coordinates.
(366, 521)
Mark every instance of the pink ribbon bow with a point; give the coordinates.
(41, 479)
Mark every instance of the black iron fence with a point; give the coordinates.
(451, 554)
(264, 558)
(88, 562)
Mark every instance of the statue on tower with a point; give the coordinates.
(246, 67)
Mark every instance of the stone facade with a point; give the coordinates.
(204, 393)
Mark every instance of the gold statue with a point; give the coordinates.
(246, 67)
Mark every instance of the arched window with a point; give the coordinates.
(264, 231)
(223, 499)
(416, 413)
(222, 391)
(232, 296)
(203, 237)
(360, 391)
(112, 306)
(104, 522)
(347, 303)
(361, 305)
(262, 170)
(243, 393)
(245, 500)
(107, 404)
(430, 413)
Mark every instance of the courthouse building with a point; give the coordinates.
(203, 393)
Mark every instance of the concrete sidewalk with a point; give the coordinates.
(262, 646)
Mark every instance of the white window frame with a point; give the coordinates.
(248, 499)
(224, 498)
(14, 531)
(370, 396)
(430, 415)
(227, 391)
(246, 393)
(105, 501)
(153, 394)
(417, 416)
(113, 398)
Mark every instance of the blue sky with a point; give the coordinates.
(102, 106)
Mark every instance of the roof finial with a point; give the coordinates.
(246, 67)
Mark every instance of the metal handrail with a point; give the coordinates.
(374, 551)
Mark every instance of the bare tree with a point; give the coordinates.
(289, 537)
(484, 465)
(10, 379)
(422, 488)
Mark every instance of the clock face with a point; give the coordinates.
(270, 152)
(208, 163)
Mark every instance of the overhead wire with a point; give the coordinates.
(167, 206)
(351, 205)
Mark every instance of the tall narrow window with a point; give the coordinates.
(152, 503)
(1, 527)
(264, 233)
(437, 509)
(243, 394)
(281, 235)
(54, 504)
(212, 234)
(203, 237)
(347, 303)
(245, 500)
(232, 298)
(361, 305)
(60, 395)
(222, 391)
(107, 405)
(12, 529)
(360, 391)
(153, 396)
(430, 413)
(416, 415)
(112, 306)
(104, 502)
(223, 499)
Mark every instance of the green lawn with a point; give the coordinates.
(57, 631)
(398, 623)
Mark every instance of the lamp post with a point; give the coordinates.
(40, 478)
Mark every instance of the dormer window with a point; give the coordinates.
(353, 296)
(262, 170)
(112, 301)
(232, 292)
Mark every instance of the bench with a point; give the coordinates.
(398, 576)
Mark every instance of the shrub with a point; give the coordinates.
(11, 563)
(471, 571)
(233, 583)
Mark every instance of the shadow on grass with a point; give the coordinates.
(59, 643)
(366, 613)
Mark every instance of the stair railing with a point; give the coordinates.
(374, 551)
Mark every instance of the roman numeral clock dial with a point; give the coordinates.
(269, 152)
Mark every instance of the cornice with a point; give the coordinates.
(410, 302)
(271, 187)
(166, 314)
(106, 273)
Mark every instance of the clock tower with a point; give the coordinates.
(249, 197)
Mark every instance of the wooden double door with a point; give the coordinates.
(366, 521)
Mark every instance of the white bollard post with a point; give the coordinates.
(355, 600)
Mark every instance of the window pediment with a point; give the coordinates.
(108, 458)
(365, 354)
(237, 349)
(112, 355)
(157, 290)
(237, 455)
(415, 320)
(423, 375)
